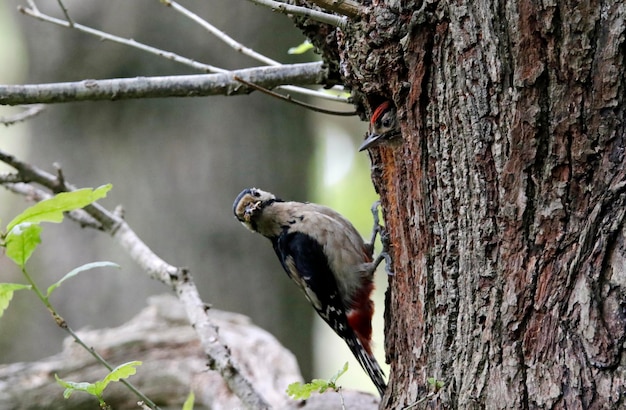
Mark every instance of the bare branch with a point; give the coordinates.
(29, 112)
(318, 94)
(33, 11)
(178, 278)
(296, 102)
(320, 16)
(348, 8)
(231, 42)
(237, 46)
(66, 13)
(171, 86)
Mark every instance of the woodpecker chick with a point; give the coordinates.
(384, 126)
(323, 253)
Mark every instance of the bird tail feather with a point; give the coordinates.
(368, 363)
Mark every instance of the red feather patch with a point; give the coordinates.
(379, 111)
(360, 315)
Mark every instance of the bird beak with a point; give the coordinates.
(371, 140)
(250, 209)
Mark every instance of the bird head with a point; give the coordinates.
(249, 203)
(384, 126)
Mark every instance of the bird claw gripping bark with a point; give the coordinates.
(378, 229)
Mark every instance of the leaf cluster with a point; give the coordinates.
(302, 391)
(23, 235)
(96, 389)
(21, 238)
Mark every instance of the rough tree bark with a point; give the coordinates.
(505, 200)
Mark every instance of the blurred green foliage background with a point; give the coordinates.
(176, 166)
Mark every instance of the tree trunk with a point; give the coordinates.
(505, 202)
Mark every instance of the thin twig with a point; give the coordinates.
(333, 20)
(178, 278)
(106, 364)
(293, 101)
(231, 42)
(10, 178)
(423, 399)
(239, 47)
(32, 5)
(343, 403)
(314, 93)
(33, 11)
(63, 325)
(348, 8)
(66, 13)
(29, 112)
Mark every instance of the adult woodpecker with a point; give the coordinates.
(384, 126)
(323, 253)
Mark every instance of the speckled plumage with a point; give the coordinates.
(326, 257)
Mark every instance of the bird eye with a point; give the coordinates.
(386, 122)
(255, 193)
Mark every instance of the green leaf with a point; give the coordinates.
(301, 49)
(301, 391)
(76, 271)
(437, 384)
(71, 387)
(123, 371)
(97, 389)
(22, 241)
(51, 210)
(320, 385)
(6, 294)
(188, 404)
(340, 373)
